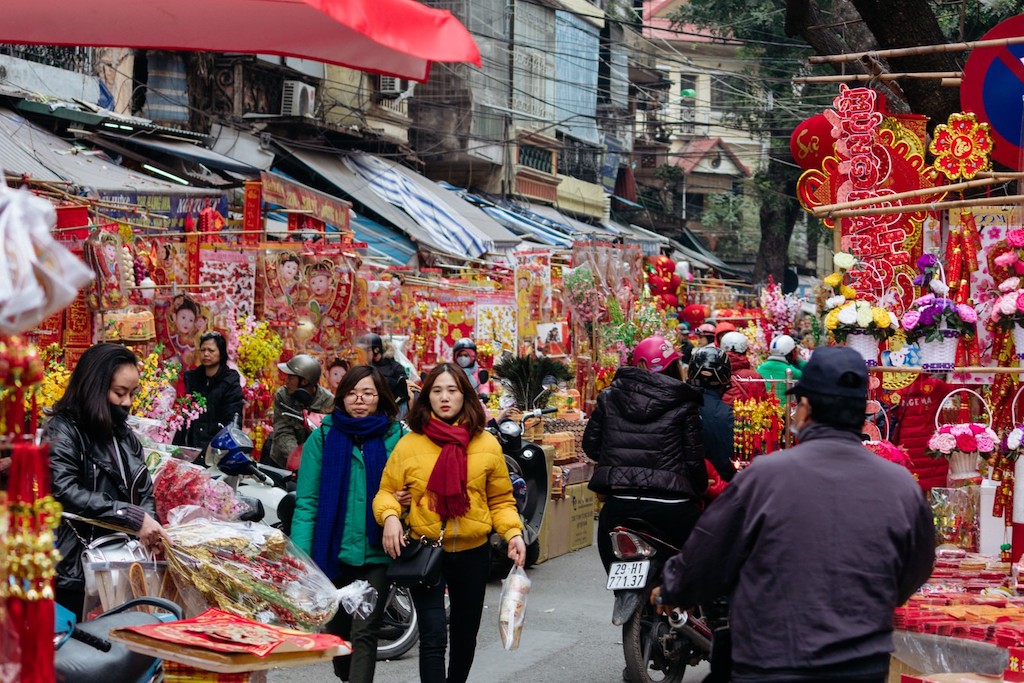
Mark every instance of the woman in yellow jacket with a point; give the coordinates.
(456, 474)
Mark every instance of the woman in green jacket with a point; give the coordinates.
(341, 469)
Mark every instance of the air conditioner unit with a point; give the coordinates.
(298, 99)
(389, 85)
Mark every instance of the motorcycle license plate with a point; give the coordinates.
(627, 575)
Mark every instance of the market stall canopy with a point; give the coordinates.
(352, 186)
(28, 149)
(184, 150)
(393, 37)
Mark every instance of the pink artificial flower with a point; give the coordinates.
(933, 442)
(1018, 267)
(966, 313)
(1015, 238)
(910, 320)
(985, 443)
(1020, 302)
(1006, 260)
(1008, 304)
(926, 299)
(961, 430)
(944, 443)
(1009, 284)
(976, 428)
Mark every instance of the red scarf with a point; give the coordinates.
(447, 482)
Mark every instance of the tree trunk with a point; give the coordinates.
(778, 213)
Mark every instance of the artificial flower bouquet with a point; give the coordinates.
(889, 451)
(1008, 305)
(847, 313)
(930, 315)
(179, 483)
(248, 569)
(974, 438)
(779, 311)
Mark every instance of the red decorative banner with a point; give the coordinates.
(292, 195)
(874, 157)
(252, 213)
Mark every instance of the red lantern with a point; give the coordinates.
(670, 300)
(811, 142)
(695, 314)
(674, 282)
(657, 284)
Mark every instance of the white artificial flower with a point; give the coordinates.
(1013, 439)
(848, 314)
(833, 301)
(844, 261)
(939, 287)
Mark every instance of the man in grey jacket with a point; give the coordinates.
(815, 546)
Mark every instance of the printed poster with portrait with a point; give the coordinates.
(533, 289)
(180, 321)
(496, 322)
(307, 294)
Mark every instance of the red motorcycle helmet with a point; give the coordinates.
(657, 352)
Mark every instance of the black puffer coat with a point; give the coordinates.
(223, 394)
(86, 480)
(645, 436)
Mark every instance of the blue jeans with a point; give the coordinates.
(464, 574)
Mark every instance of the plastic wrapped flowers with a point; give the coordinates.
(180, 483)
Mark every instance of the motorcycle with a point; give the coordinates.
(531, 484)
(656, 647)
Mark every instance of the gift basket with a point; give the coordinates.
(247, 569)
(963, 443)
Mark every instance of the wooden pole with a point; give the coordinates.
(937, 206)
(824, 211)
(862, 78)
(917, 50)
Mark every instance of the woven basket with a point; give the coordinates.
(940, 354)
(864, 343)
(963, 466)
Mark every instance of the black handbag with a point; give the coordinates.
(419, 564)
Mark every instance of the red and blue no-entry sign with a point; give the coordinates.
(993, 88)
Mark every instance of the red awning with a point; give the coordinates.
(393, 37)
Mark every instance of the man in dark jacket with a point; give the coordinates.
(645, 436)
(393, 372)
(300, 394)
(710, 371)
(815, 545)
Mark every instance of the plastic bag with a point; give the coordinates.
(182, 483)
(358, 598)
(512, 607)
(248, 569)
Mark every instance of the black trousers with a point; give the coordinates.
(464, 574)
(674, 521)
(361, 633)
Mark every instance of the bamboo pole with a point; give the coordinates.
(916, 50)
(862, 78)
(950, 82)
(824, 211)
(936, 206)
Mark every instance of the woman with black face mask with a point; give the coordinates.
(97, 466)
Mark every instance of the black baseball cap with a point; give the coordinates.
(834, 371)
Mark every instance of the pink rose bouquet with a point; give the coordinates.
(972, 437)
(1008, 303)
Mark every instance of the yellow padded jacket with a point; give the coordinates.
(491, 504)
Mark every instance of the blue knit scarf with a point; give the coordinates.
(335, 475)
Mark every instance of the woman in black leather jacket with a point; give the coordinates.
(645, 436)
(222, 388)
(97, 466)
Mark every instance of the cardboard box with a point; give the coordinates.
(554, 530)
(581, 516)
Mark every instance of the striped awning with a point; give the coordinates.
(445, 227)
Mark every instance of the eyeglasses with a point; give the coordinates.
(365, 396)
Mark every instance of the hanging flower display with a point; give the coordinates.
(931, 315)
(847, 314)
(970, 438)
(961, 146)
(582, 296)
(779, 310)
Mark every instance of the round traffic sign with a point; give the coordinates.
(993, 88)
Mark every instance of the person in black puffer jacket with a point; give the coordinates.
(222, 388)
(97, 467)
(645, 436)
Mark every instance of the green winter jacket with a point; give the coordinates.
(355, 547)
(775, 368)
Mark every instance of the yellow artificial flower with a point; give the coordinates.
(832, 319)
(849, 292)
(834, 280)
(882, 318)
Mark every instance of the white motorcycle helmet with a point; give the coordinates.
(734, 341)
(782, 345)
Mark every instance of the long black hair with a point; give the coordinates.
(85, 400)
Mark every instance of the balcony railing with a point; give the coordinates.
(76, 59)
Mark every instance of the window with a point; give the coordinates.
(727, 92)
(537, 158)
(694, 205)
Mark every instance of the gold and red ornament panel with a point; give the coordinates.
(874, 156)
